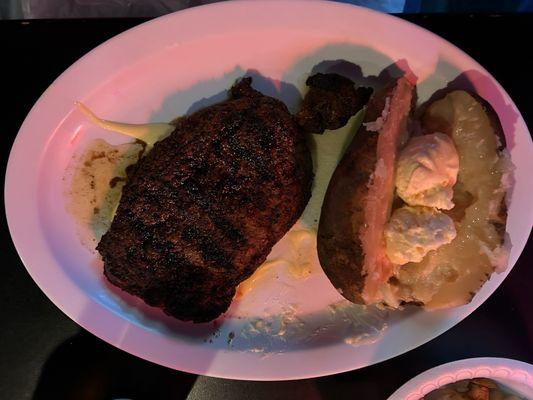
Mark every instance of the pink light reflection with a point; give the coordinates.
(76, 135)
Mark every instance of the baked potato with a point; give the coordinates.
(361, 196)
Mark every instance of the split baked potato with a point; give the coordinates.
(361, 197)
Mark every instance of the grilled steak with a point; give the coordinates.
(203, 209)
(330, 102)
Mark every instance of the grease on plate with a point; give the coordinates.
(94, 180)
(296, 258)
(353, 324)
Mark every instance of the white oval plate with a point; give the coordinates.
(516, 376)
(167, 67)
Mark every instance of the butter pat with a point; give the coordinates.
(412, 232)
(427, 170)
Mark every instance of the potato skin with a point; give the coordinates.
(339, 248)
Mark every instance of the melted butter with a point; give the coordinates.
(296, 257)
(253, 281)
(149, 133)
(302, 244)
(94, 181)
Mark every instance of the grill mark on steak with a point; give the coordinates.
(208, 249)
(202, 210)
(206, 203)
(254, 159)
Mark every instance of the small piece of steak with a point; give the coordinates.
(330, 102)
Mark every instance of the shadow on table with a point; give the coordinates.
(86, 368)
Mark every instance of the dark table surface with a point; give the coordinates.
(44, 355)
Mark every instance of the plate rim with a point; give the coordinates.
(19, 241)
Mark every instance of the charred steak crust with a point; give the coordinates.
(203, 209)
(330, 102)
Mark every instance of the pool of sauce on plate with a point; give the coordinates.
(95, 178)
(296, 259)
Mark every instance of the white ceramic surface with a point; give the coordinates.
(176, 64)
(512, 375)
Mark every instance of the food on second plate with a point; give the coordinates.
(331, 101)
(471, 389)
(202, 210)
(419, 220)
